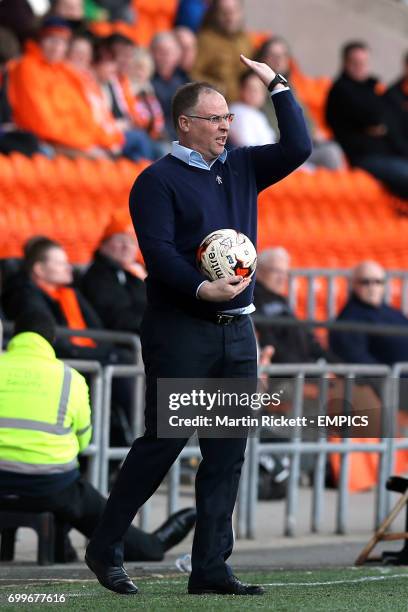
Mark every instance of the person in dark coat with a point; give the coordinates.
(114, 283)
(366, 304)
(44, 285)
(290, 344)
(396, 97)
(363, 125)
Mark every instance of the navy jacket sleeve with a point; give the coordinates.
(153, 219)
(275, 161)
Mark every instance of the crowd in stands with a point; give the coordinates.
(83, 80)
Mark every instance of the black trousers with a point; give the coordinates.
(176, 345)
(81, 506)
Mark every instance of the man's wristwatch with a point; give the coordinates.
(279, 78)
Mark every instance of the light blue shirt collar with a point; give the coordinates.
(194, 158)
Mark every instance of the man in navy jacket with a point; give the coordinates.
(366, 305)
(193, 327)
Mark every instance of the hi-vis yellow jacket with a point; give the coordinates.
(45, 416)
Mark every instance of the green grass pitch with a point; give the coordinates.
(330, 590)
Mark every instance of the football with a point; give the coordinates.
(226, 252)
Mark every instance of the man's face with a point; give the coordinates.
(277, 57)
(122, 248)
(356, 65)
(54, 48)
(105, 69)
(203, 136)
(123, 53)
(188, 45)
(55, 269)
(166, 54)
(253, 92)
(80, 54)
(229, 16)
(368, 284)
(274, 275)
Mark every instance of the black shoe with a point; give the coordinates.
(112, 577)
(176, 528)
(231, 586)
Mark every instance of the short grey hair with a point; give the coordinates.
(278, 252)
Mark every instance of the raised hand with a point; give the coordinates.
(265, 72)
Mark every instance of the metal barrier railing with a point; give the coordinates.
(320, 448)
(331, 278)
(100, 335)
(93, 451)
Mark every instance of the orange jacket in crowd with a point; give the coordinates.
(48, 99)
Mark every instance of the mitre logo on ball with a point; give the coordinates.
(225, 253)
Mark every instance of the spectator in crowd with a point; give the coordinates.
(276, 53)
(188, 45)
(285, 344)
(220, 41)
(168, 75)
(122, 48)
(190, 13)
(81, 57)
(47, 98)
(147, 109)
(113, 283)
(250, 126)
(396, 97)
(11, 138)
(18, 16)
(39, 468)
(45, 284)
(362, 124)
(122, 107)
(366, 305)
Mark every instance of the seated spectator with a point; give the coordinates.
(45, 285)
(396, 97)
(220, 41)
(366, 304)
(362, 124)
(250, 126)
(168, 75)
(276, 53)
(46, 96)
(188, 45)
(113, 283)
(147, 110)
(123, 107)
(39, 467)
(11, 138)
(285, 344)
(81, 57)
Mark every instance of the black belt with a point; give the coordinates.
(219, 318)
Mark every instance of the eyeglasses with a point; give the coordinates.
(215, 119)
(366, 282)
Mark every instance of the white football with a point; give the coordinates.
(226, 252)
